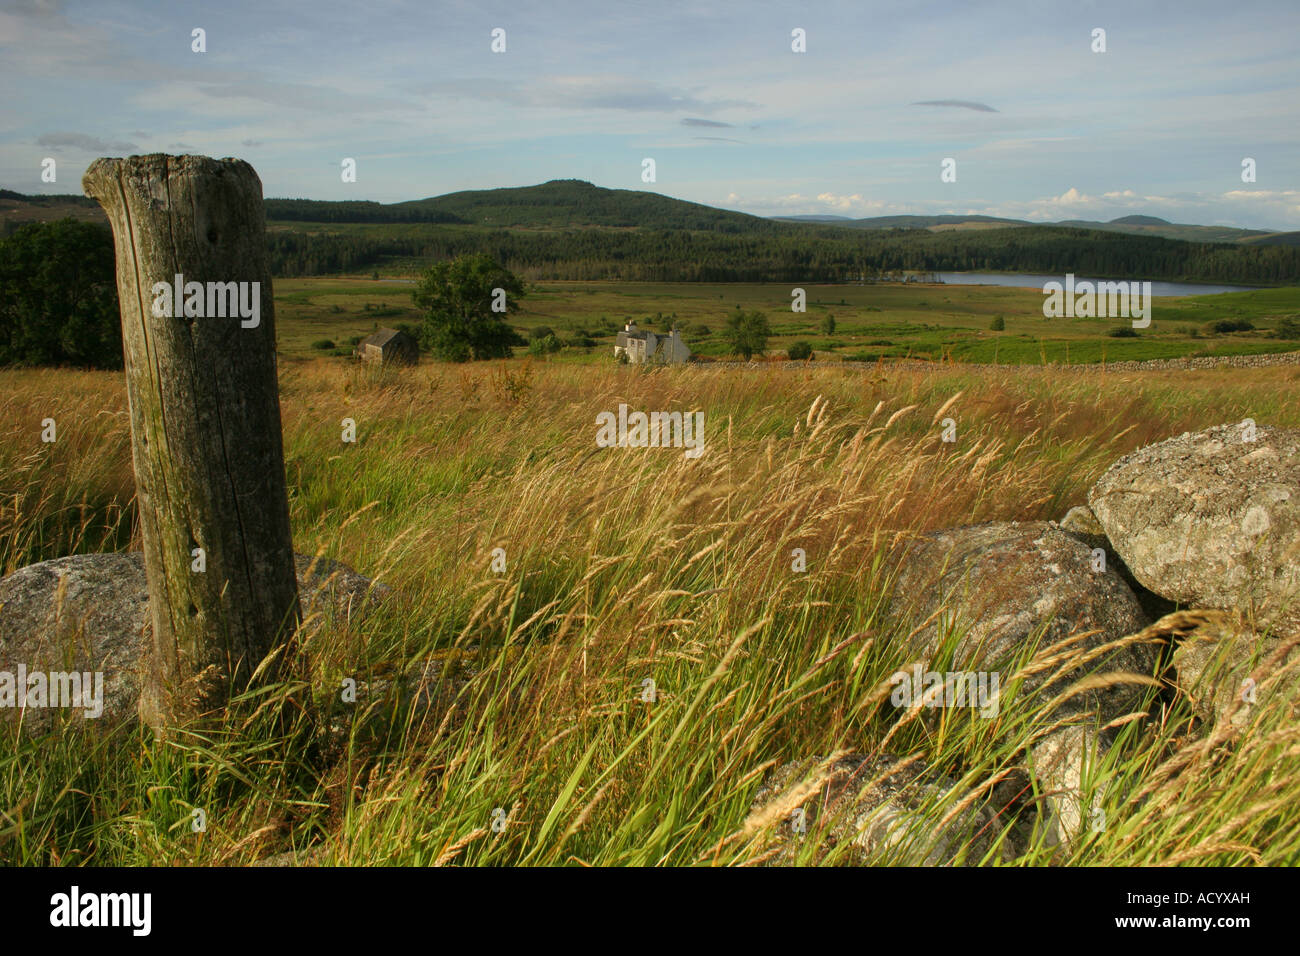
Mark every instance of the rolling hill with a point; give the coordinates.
(17, 209)
(566, 203)
(575, 203)
(1132, 225)
(912, 222)
(1154, 226)
(571, 229)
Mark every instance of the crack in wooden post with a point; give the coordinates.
(205, 424)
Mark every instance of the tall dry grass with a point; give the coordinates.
(622, 566)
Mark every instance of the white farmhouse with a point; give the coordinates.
(646, 346)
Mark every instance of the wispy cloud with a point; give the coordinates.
(588, 89)
(84, 142)
(959, 104)
(603, 92)
(800, 204)
(1072, 204)
(300, 96)
(37, 8)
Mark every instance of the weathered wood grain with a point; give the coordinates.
(205, 428)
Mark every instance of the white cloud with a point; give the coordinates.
(587, 89)
(798, 204)
(1279, 205)
(1262, 195)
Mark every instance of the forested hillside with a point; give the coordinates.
(569, 229)
(777, 253)
(316, 210)
(574, 202)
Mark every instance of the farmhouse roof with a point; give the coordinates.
(382, 337)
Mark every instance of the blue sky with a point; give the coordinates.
(1041, 127)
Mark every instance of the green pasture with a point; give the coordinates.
(882, 321)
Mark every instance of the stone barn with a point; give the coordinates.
(389, 347)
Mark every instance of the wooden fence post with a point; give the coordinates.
(198, 331)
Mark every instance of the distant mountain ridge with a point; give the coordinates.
(1141, 221)
(1133, 225)
(562, 203)
(576, 203)
(912, 222)
(573, 230)
(815, 218)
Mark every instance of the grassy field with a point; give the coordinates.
(622, 565)
(873, 321)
